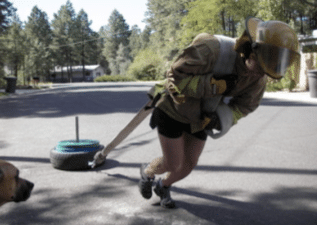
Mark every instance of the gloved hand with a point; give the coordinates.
(221, 120)
(218, 86)
(214, 123)
(99, 158)
(223, 84)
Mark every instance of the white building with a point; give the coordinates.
(91, 72)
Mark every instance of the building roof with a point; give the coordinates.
(58, 69)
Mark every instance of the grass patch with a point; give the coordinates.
(3, 94)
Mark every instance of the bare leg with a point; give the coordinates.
(188, 154)
(180, 156)
(172, 156)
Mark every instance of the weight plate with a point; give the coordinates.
(72, 155)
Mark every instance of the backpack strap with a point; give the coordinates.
(227, 56)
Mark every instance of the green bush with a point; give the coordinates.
(114, 78)
(147, 65)
(278, 85)
(288, 82)
(273, 85)
(3, 83)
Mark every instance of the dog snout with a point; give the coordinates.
(24, 191)
(29, 184)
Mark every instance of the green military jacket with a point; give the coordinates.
(189, 79)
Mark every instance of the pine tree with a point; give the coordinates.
(135, 41)
(123, 59)
(115, 33)
(164, 19)
(6, 13)
(63, 26)
(145, 37)
(85, 41)
(216, 17)
(15, 45)
(39, 38)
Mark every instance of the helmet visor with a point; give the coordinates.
(277, 62)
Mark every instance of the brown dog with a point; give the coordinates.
(12, 187)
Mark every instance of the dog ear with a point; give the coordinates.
(1, 175)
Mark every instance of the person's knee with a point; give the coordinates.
(172, 167)
(188, 165)
(185, 166)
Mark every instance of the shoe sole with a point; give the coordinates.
(148, 194)
(172, 204)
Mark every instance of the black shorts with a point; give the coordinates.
(171, 128)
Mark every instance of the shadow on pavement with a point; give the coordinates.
(51, 209)
(3, 144)
(92, 100)
(25, 159)
(230, 169)
(51, 104)
(279, 102)
(285, 206)
(111, 163)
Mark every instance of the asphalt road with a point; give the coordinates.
(262, 172)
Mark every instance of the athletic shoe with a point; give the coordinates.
(164, 194)
(145, 184)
